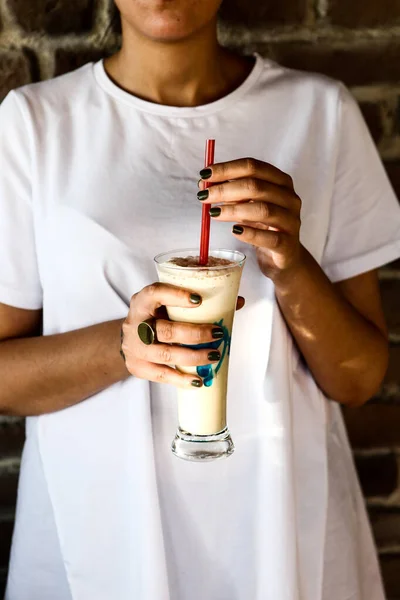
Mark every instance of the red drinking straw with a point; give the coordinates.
(205, 215)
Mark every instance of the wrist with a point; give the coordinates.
(287, 278)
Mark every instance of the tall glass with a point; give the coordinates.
(202, 432)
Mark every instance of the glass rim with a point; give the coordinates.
(238, 263)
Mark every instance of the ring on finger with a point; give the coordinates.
(147, 331)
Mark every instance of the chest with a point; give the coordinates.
(105, 207)
(138, 180)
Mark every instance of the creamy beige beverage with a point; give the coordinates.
(202, 411)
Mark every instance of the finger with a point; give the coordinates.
(246, 167)
(165, 354)
(271, 240)
(240, 302)
(173, 332)
(164, 374)
(201, 184)
(258, 212)
(152, 297)
(248, 189)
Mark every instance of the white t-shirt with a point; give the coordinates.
(94, 182)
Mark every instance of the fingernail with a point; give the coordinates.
(214, 355)
(205, 173)
(199, 182)
(215, 211)
(202, 195)
(217, 333)
(195, 298)
(238, 229)
(197, 383)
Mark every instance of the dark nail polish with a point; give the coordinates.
(205, 173)
(195, 298)
(203, 195)
(214, 355)
(238, 229)
(217, 333)
(197, 383)
(215, 211)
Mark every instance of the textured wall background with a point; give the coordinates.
(357, 42)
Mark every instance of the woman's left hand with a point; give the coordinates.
(261, 201)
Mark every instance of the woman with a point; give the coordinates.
(99, 175)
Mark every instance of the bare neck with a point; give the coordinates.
(185, 73)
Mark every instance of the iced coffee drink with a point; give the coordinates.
(202, 433)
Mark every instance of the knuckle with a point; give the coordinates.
(152, 289)
(165, 355)
(162, 376)
(253, 186)
(298, 202)
(289, 180)
(219, 190)
(251, 165)
(166, 331)
(262, 211)
(220, 170)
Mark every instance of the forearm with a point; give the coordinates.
(45, 374)
(346, 354)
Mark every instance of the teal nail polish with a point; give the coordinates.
(203, 194)
(195, 298)
(215, 211)
(197, 383)
(214, 355)
(238, 229)
(217, 333)
(205, 173)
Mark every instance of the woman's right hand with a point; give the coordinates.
(155, 362)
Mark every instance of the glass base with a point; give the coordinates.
(202, 447)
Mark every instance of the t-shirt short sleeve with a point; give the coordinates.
(364, 225)
(19, 277)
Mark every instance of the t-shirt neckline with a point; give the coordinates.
(111, 88)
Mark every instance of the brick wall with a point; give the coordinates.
(357, 42)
